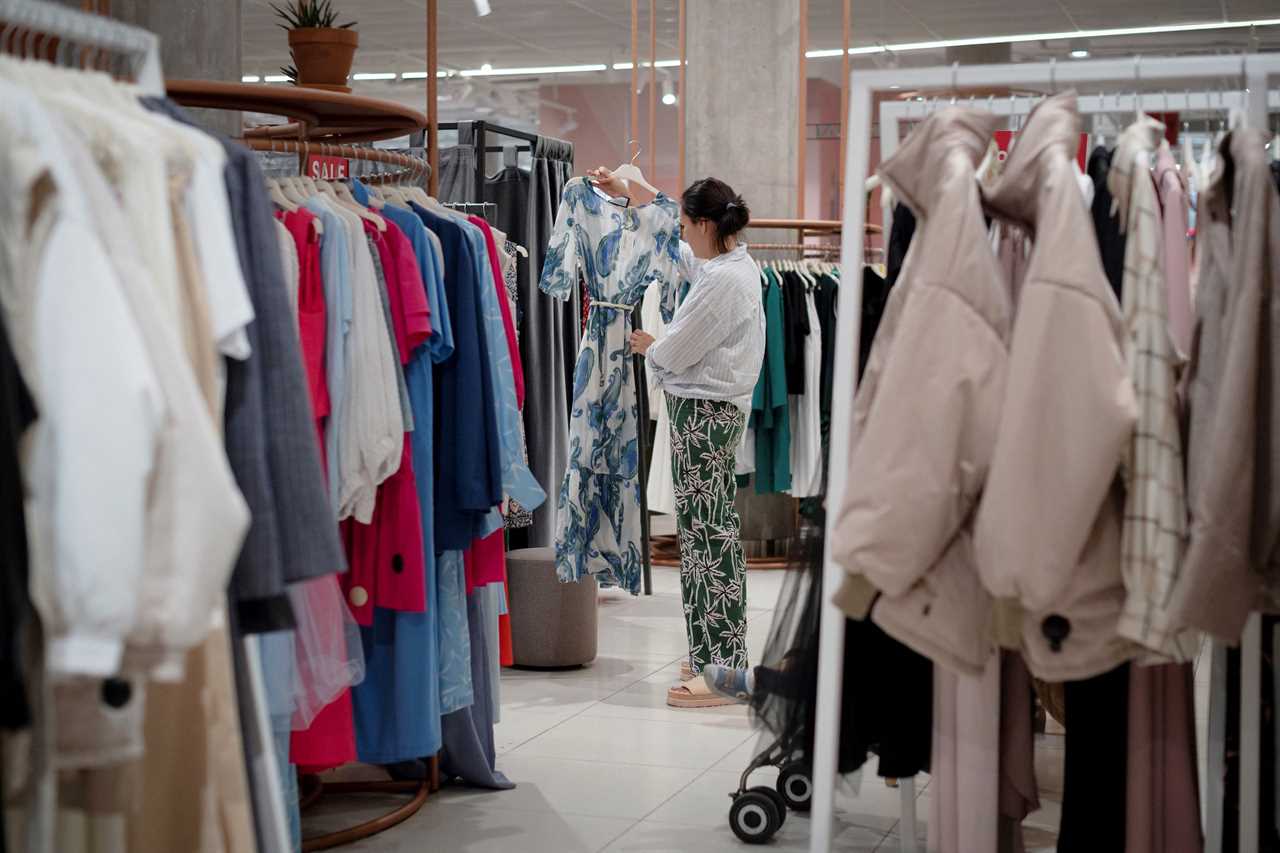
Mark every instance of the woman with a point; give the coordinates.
(707, 363)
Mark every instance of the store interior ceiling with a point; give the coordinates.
(497, 66)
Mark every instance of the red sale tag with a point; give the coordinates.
(327, 168)
(1004, 141)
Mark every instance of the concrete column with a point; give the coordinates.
(740, 107)
(740, 113)
(197, 41)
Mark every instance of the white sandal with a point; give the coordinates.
(695, 693)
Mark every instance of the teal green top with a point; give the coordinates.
(770, 414)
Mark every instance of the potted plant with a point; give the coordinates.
(322, 50)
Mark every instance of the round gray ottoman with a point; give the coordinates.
(553, 624)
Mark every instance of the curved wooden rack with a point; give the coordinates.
(327, 123)
(318, 115)
(418, 790)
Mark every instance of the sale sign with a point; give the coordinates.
(323, 168)
(1004, 141)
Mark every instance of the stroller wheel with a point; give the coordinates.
(795, 787)
(754, 817)
(778, 800)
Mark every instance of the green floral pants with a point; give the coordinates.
(713, 570)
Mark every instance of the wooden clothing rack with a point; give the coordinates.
(328, 124)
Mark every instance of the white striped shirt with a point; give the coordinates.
(713, 348)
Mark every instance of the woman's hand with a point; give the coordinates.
(607, 181)
(640, 342)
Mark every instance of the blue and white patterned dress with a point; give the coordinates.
(620, 252)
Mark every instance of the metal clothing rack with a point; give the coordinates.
(480, 141)
(481, 131)
(1257, 71)
(486, 210)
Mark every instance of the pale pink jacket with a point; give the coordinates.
(925, 416)
(1176, 254)
(1232, 564)
(1048, 528)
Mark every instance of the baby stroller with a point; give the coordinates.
(757, 813)
(784, 704)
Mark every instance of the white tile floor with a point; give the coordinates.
(601, 763)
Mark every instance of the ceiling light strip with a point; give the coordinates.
(525, 72)
(1030, 37)
(865, 50)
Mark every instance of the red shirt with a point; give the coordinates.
(386, 556)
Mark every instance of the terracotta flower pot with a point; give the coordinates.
(323, 56)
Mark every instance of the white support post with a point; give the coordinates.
(907, 815)
(1089, 75)
(826, 736)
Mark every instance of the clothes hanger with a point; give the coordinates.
(1137, 83)
(273, 190)
(631, 173)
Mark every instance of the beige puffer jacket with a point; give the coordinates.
(926, 413)
(1048, 528)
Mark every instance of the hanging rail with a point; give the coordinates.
(411, 168)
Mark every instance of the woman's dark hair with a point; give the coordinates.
(714, 201)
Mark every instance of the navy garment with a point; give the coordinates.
(468, 470)
(1106, 225)
(469, 752)
(16, 413)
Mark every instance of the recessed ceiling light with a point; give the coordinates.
(379, 75)
(275, 78)
(250, 78)
(1080, 53)
(486, 68)
(895, 86)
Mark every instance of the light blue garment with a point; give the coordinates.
(335, 269)
(457, 689)
(276, 655)
(620, 253)
(397, 708)
(517, 479)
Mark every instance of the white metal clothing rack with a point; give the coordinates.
(1255, 72)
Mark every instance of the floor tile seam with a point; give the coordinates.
(490, 804)
(614, 763)
(618, 837)
(572, 716)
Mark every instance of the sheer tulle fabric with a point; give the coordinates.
(328, 652)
